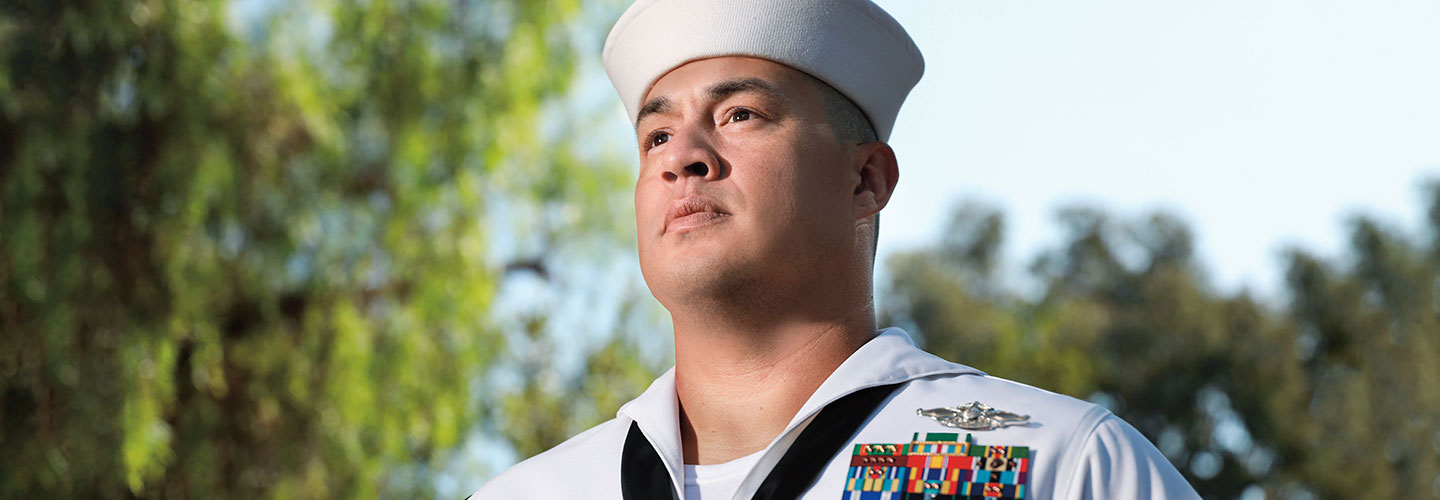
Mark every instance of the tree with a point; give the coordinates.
(1369, 341)
(259, 265)
(1240, 395)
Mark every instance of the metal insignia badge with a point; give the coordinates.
(975, 416)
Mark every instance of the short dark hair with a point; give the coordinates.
(845, 117)
(850, 125)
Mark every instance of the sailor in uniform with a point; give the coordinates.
(761, 126)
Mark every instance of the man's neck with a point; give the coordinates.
(739, 386)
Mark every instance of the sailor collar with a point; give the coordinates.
(889, 358)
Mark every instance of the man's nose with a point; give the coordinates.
(691, 155)
(697, 169)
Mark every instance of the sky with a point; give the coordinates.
(1264, 124)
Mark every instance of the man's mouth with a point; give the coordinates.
(693, 212)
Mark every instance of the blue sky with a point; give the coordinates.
(1263, 124)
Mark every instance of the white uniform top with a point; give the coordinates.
(1076, 449)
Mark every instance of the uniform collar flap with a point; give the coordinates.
(889, 358)
(657, 412)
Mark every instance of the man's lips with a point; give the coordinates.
(691, 212)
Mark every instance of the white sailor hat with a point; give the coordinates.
(852, 45)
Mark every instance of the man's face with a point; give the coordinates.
(743, 186)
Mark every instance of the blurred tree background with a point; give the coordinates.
(255, 261)
(1244, 398)
(280, 257)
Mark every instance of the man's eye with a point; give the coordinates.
(740, 115)
(656, 139)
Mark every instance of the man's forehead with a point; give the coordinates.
(718, 78)
(700, 77)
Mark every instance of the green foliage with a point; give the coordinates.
(1368, 332)
(557, 406)
(1238, 394)
(260, 267)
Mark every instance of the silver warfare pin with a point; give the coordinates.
(975, 416)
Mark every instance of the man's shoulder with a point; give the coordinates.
(1083, 450)
(1005, 395)
(1063, 423)
(1119, 462)
(935, 382)
(589, 462)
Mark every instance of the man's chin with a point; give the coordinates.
(713, 286)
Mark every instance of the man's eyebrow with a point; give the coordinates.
(657, 105)
(716, 92)
(728, 88)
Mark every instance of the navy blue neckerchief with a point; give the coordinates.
(643, 475)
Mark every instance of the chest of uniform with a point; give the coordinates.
(906, 454)
(937, 465)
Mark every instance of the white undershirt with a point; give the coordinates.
(718, 481)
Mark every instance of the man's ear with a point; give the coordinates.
(878, 174)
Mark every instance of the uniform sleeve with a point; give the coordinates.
(1119, 463)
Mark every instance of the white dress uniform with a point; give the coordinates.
(1067, 449)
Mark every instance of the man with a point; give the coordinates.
(763, 168)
